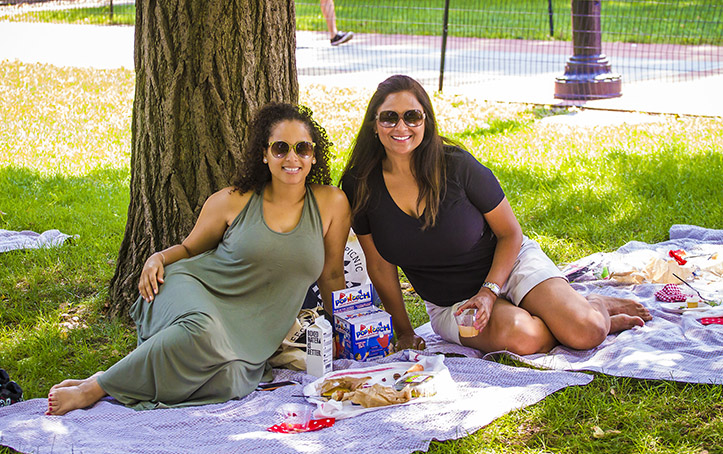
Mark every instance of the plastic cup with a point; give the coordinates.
(465, 322)
(297, 416)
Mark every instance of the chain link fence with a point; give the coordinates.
(459, 43)
(489, 39)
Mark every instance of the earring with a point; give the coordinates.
(266, 161)
(313, 161)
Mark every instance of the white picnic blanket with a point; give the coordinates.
(487, 390)
(670, 346)
(11, 240)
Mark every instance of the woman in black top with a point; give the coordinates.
(432, 209)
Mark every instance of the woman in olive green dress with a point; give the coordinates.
(214, 308)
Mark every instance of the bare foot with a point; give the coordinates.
(621, 322)
(624, 306)
(66, 383)
(73, 381)
(63, 399)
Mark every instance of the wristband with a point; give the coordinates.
(494, 288)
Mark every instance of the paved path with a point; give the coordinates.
(473, 67)
(86, 46)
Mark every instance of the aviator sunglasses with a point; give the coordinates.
(390, 118)
(303, 149)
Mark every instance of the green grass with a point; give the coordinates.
(690, 22)
(122, 15)
(64, 163)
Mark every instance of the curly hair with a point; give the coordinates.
(253, 174)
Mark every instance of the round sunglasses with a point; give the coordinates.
(390, 118)
(303, 149)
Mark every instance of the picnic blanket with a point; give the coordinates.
(487, 390)
(11, 240)
(669, 347)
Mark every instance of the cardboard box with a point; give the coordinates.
(319, 344)
(364, 331)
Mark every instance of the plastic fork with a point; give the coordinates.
(693, 288)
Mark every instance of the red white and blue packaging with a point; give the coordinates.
(364, 331)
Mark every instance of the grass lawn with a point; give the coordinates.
(690, 22)
(64, 164)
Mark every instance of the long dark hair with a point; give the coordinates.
(427, 161)
(253, 174)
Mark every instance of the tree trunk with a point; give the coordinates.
(202, 69)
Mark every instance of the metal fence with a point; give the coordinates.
(460, 43)
(491, 39)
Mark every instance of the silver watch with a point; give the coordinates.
(492, 286)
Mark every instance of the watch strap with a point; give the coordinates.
(493, 287)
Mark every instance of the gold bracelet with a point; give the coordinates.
(163, 258)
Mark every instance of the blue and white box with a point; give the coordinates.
(364, 330)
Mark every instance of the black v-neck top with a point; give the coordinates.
(450, 261)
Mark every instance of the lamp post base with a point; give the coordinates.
(599, 87)
(586, 78)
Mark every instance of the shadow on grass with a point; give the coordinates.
(92, 206)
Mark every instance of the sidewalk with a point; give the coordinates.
(84, 46)
(369, 59)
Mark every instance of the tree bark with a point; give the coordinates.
(202, 69)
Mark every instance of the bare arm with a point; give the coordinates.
(385, 279)
(334, 208)
(504, 224)
(216, 215)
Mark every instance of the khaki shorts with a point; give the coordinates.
(531, 268)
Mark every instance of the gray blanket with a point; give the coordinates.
(487, 390)
(670, 347)
(11, 240)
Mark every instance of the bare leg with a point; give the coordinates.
(327, 9)
(579, 322)
(63, 399)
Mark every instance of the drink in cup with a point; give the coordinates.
(465, 322)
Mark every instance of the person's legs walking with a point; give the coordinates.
(337, 37)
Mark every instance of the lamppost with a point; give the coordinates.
(587, 73)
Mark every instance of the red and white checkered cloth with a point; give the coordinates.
(671, 293)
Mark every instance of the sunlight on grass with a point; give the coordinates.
(64, 121)
(65, 140)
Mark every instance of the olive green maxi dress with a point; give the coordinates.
(221, 314)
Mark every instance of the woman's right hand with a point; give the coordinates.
(151, 276)
(409, 341)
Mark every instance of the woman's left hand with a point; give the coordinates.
(483, 301)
